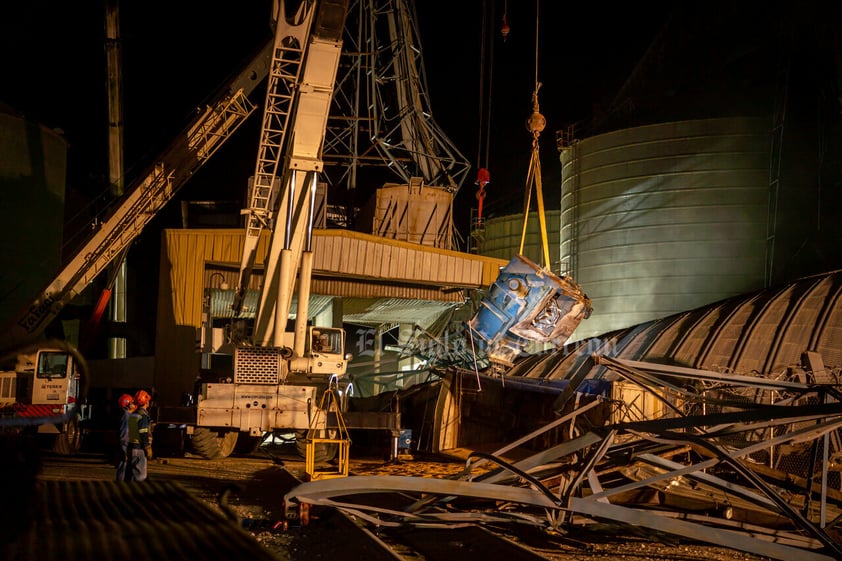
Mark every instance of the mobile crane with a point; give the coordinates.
(41, 395)
(279, 376)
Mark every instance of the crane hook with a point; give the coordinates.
(536, 122)
(483, 179)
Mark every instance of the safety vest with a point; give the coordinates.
(134, 428)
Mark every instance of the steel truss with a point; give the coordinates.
(701, 476)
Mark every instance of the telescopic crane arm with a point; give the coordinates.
(145, 197)
(305, 60)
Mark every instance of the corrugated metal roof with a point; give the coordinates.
(221, 301)
(394, 310)
(760, 333)
(348, 254)
(363, 311)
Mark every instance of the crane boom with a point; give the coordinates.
(145, 197)
(288, 51)
(278, 376)
(298, 98)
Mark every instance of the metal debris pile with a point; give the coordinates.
(746, 462)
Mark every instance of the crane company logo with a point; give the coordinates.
(36, 314)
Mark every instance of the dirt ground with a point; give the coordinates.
(252, 489)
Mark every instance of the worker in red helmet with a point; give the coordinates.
(140, 437)
(127, 408)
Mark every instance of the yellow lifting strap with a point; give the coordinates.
(535, 124)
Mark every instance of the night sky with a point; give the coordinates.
(584, 55)
(175, 57)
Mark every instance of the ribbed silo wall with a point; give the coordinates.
(503, 234)
(664, 218)
(33, 164)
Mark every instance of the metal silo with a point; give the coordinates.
(33, 162)
(664, 218)
(501, 237)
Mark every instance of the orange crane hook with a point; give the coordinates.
(483, 179)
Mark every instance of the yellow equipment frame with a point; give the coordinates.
(329, 402)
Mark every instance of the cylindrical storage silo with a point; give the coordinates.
(664, 218)
(33, 163)
(502, 235)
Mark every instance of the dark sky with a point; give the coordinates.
(173, 58)
(584, 54)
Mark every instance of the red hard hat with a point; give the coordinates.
(125, 400)
(142, 398)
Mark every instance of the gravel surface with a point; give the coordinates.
(263, 481)
(252, 488)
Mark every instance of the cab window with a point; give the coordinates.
(52, 365)
(326, 341)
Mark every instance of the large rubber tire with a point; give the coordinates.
(247, 444)
(323, 453)
(213, 445)
(69, 441)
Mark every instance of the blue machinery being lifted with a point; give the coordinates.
(526, 305)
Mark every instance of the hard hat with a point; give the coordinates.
(142, 398)
(125, 400)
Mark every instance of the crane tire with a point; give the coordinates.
(213, 445)
(69, 441)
